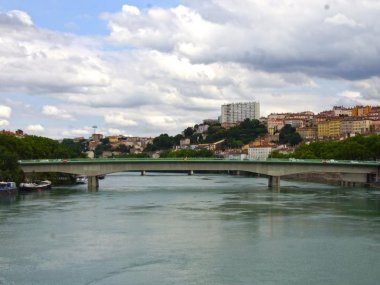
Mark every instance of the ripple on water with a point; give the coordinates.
(179, 229)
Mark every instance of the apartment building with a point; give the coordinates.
(276, 122)
(335, 123)
(259, 152)
(344, 127)
(330, 128)
(360, 111)
(340, 111)
(374, 114)
(361, 126)
(295, 123)
(237, 112)
(375, 126)
(308, 133)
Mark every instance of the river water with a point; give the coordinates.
(201, 229)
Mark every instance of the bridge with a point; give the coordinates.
(351, 172)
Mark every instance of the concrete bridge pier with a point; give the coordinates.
(93, 183)
(274, 181)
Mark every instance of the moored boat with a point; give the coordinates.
(7, 188)
(81, 180)
(35, 186)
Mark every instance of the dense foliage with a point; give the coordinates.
(103, 146)
(9, 168)
(234, 137)
(13, 149)
(356, 148)
(33, 147)
(289, 136)
(133, 155)
(187, 153)
(237, 136)
(76, 148)
(163, 142)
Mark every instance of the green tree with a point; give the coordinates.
(187, 153)
(162, 142)
(13, 149)
(123, 148)
(288, 135)
(100, 148)
(188, 132)
(76, 148)
(215, 133)
(356, 148)
(245, 132)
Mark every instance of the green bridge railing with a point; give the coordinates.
(199, 160)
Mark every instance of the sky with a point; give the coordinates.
(142, 68)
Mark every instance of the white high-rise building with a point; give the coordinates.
(238, 112)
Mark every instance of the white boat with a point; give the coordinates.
(7, 187)
(35, 186)
(81, 180)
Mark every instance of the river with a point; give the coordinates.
(200, 229)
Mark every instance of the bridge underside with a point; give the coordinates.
(348, 174)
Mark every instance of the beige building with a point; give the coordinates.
(295, 123)
(275, 122)
(361, 126)
(340, 111)
(308, 133)
(184, 142)
(375, 126)
(259, 152)
(330, 129)
(96, 137)
(113, 139)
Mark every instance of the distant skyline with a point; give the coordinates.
(143, 68)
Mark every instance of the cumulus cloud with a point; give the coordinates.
(53, 111)
(369, 88)
(5, 111)
(36, 61)
(16, 18)
(119, 119)
(350, 94)
(4, 123)
(35, 128)
(340, 19)
(115, 132)
(163, 68)
(273, 36)
(73, 132)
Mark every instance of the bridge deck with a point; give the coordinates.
(358, 171)
(199, 160)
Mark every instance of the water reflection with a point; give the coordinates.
(202, 229)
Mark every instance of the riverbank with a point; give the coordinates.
(328, 178)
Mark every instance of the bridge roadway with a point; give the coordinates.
(351, 172)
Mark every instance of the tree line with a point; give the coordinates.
(13, 149)
(234, 137)
(355, 148)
